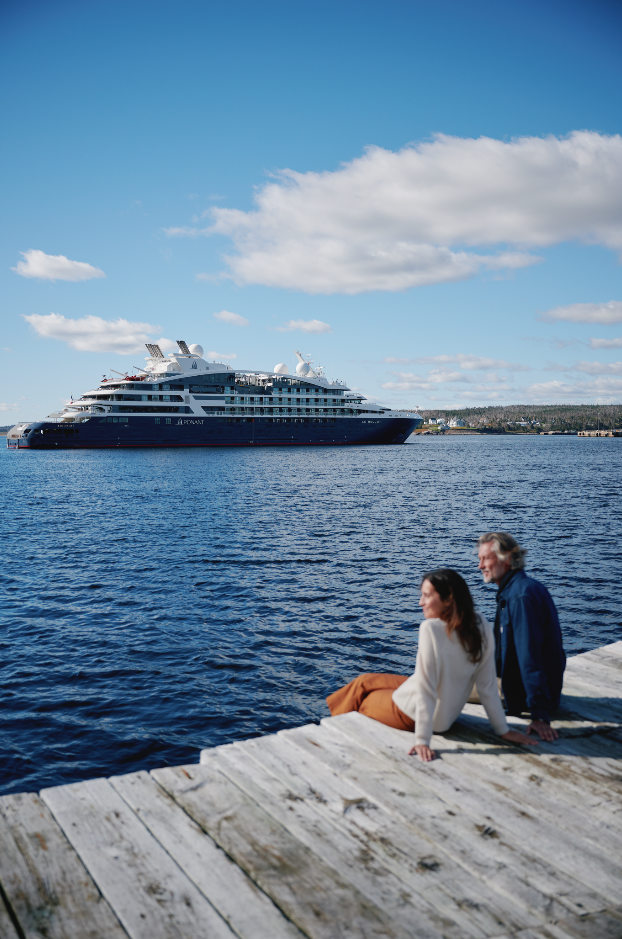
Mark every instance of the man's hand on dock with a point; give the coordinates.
(544, 730)
(516, 736)
(424, 753)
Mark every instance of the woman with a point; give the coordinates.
(456, 650)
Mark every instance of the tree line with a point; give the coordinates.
(550, 416)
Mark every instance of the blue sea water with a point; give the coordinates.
(155, 602)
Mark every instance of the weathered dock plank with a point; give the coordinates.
(151, 896)
(560, 847)
(48, 888)
(604, 925)
(510, 866)
(394, 880)
(450, 892)
(610, 655)
(310, 892)
(598, 674)
(560, 781)
(7, 929)
(526, 779)
(250, 912)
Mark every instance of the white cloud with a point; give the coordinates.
(409, 383)
(54, 267)
(234, 319)
(445, 384)
(304, 326)
(167, 345)
(219, 356)
(607, 313)
(605, 390)
(94, 334)
(615, 343)
(599, 368)
(8, 407)
(469, 362)
(486, 393)
(394, 220)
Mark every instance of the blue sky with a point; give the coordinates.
(149, 141)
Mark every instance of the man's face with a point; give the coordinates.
(492, 568)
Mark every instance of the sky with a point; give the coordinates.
(426, 199)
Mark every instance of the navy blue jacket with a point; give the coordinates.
(530, 655)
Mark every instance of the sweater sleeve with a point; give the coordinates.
(486, 680)
(426, 684)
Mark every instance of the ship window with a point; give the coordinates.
(157, 420)
(168, 420)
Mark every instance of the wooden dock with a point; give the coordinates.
(334, 832)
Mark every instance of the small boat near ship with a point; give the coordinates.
(181, 400)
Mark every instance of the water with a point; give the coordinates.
(157, 602)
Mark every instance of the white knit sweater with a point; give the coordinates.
(444, 677)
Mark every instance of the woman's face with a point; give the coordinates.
(430, 602)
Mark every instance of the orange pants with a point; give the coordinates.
(370, 694)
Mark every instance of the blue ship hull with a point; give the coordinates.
(213, 432)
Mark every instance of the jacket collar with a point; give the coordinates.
(506, 580)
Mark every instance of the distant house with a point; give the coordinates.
(457, 422)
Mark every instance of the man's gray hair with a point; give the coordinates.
(506, 548)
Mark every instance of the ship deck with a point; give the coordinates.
(331, 830)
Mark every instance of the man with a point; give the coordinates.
(529, 651)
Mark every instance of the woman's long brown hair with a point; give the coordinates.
(462, 619)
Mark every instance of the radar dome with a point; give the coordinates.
(196, 349)
(303, 368)
(280, 369)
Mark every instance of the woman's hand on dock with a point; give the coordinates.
(515, 736)
(424, 753)
(544, 730)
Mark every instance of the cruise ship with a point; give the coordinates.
(181, 400)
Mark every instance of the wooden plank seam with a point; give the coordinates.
(10, 912)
